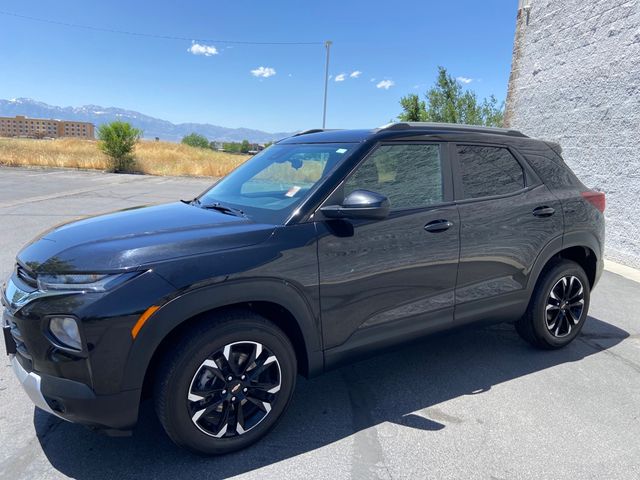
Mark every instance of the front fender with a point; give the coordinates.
(194, 302)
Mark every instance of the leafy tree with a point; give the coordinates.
(196, 140)
(491, 113)
(245, 146)
(231, 147)
(448, 102)
(414, 109)
(117, 140)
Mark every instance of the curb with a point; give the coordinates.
(622, 270)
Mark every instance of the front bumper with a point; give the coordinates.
(31, 384)
(76, 402)
(72, 386)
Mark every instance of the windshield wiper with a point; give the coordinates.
(224, 209)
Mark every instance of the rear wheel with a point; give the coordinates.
(558, 308)
(226, 383)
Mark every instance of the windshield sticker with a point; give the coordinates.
(341, 150)
(292, 191)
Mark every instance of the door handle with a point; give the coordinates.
(543, 211)
(438, 226)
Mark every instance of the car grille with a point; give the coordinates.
(21, 348)
(26, 276)
(17, 337)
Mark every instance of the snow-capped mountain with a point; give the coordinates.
(151, 127)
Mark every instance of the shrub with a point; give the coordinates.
(196, 140)
(117, 140)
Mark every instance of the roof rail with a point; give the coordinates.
(311, 130)
(451, 126)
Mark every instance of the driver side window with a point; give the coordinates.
(410, 176)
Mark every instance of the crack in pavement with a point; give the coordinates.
(368, 455)
(607, 350)
(68, 193)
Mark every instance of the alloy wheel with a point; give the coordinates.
(565, 305)
(234, 389)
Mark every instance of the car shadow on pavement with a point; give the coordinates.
(402, 387)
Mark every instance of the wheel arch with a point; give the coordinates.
(276, 300)
(581, 247)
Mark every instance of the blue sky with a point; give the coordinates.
(398, 43)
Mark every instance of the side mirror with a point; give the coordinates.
(359, 204)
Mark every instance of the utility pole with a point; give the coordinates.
(327, 45)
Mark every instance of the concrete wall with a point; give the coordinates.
(575, 79)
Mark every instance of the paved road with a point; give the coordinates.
(472, 404)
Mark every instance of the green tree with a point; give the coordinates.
(245, 146)
(231, 147)
(117, 140)
(448, 102)
(196, 140)
(413, 109)
(491, 113)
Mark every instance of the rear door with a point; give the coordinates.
(507, 216)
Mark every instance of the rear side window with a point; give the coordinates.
(549, 165)
(488, 171)
(410, 176)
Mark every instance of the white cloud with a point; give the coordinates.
(372, 80)
(201, 49)
(386, 84)
(341, 77)
(355, 74)
(264, 72)
(465, 80)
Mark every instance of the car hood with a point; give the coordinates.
(131, 238)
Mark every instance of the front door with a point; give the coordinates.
(384, 281)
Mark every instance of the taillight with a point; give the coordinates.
(597, 199)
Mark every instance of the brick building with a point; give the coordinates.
(575, 79)
(21, 126)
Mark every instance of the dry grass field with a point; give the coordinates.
(154, 158)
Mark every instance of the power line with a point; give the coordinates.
(149, 35)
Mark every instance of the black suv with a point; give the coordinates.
(325, 246)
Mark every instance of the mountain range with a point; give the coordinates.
(152, 127)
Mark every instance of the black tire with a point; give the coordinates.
(183, 371)
(534, 326)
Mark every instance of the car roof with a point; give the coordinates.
(319, 135)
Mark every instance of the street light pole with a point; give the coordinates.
(327, 45)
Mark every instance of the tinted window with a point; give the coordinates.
(489, 171)
(408, 175)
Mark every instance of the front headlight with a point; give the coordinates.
(93, 282)
(65, 331)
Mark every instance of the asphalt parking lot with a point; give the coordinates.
(478, 403)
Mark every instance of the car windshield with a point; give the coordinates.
(269, 186)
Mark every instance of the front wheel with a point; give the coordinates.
(558, 308)
(226, 383)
